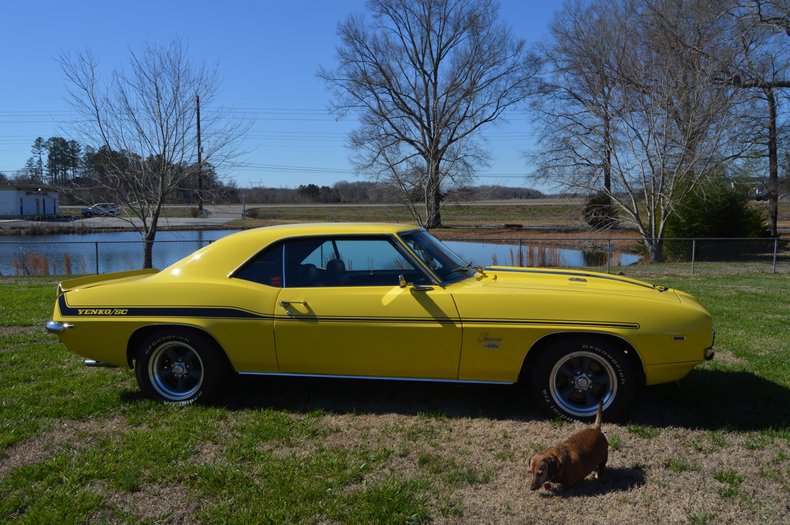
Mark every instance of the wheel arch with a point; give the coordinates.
(547, 341)
(142, 333)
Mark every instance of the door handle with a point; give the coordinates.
(286, 304)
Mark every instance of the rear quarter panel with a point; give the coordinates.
(237, 314)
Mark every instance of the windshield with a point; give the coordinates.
(436, 256)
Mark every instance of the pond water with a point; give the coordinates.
(100, 252)
(534, 254)
(105, 252)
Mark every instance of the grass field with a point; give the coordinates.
(555, 212)
(81, 445)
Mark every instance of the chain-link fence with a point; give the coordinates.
(741, 255)
(29, 257)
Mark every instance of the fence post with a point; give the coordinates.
(96, 245)
(693, 254)
(776, 248)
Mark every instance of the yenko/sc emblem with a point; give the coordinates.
(102, 311)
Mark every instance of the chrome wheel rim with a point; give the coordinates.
(176, 371)
(580, 380)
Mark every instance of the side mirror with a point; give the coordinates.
(416, 287)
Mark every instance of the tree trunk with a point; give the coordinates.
(655, 250)
(773, 163)
(433, 197)
(148, 248)
(607, 144)
(149, 238)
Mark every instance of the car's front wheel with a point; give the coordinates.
(179, 367)
(574, 374)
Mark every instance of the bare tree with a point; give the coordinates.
(628, 112)
(576, 100)
(760, 32)
(424, 76)
(144, 119)
(752, 55)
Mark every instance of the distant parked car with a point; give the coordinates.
(103, 209)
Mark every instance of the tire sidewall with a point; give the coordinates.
(213, 372)
(625, 378)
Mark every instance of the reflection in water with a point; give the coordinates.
(119, 251)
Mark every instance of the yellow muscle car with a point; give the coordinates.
(381, 301)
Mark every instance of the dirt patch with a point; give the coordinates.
(14, 331)
(658, 475)
(8, 331)
(729, 358)
(662, 479)
(171, 504)
(64, 435)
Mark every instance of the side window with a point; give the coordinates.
(266, 268)
(349, 261)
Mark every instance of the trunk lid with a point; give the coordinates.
(98, 280)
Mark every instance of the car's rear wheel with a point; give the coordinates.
(574, 374)
(179, 366)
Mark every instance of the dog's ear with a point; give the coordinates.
(552, 467)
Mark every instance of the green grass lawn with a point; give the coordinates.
(559, 212)
(81, 445)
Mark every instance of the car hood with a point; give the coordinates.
(572, 281)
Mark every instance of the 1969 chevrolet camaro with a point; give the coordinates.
(381, 301)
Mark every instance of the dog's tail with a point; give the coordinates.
(597, 424)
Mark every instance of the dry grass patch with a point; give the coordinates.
(65, 435)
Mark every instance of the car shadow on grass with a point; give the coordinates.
(706, 399)
(364, 396)
(716, 400)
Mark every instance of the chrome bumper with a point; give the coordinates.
(98, 364)
(54, 327)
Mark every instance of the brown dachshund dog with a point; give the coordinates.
(570, 461)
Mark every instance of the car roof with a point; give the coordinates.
(226, 254)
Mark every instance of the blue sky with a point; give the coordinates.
(267, 54)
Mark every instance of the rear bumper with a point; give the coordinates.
(54, 327)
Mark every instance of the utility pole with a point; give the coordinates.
(199, 159)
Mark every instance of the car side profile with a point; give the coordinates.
(381, 301)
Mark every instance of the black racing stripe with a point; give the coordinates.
(145, 311)
(572, 274)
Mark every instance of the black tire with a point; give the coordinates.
(180, 367)
(570, 377)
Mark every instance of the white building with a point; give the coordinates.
(27, 200)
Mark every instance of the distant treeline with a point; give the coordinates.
(366, 192)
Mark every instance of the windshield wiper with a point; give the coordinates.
(465, 268)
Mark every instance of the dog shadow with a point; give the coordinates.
(613, 479)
